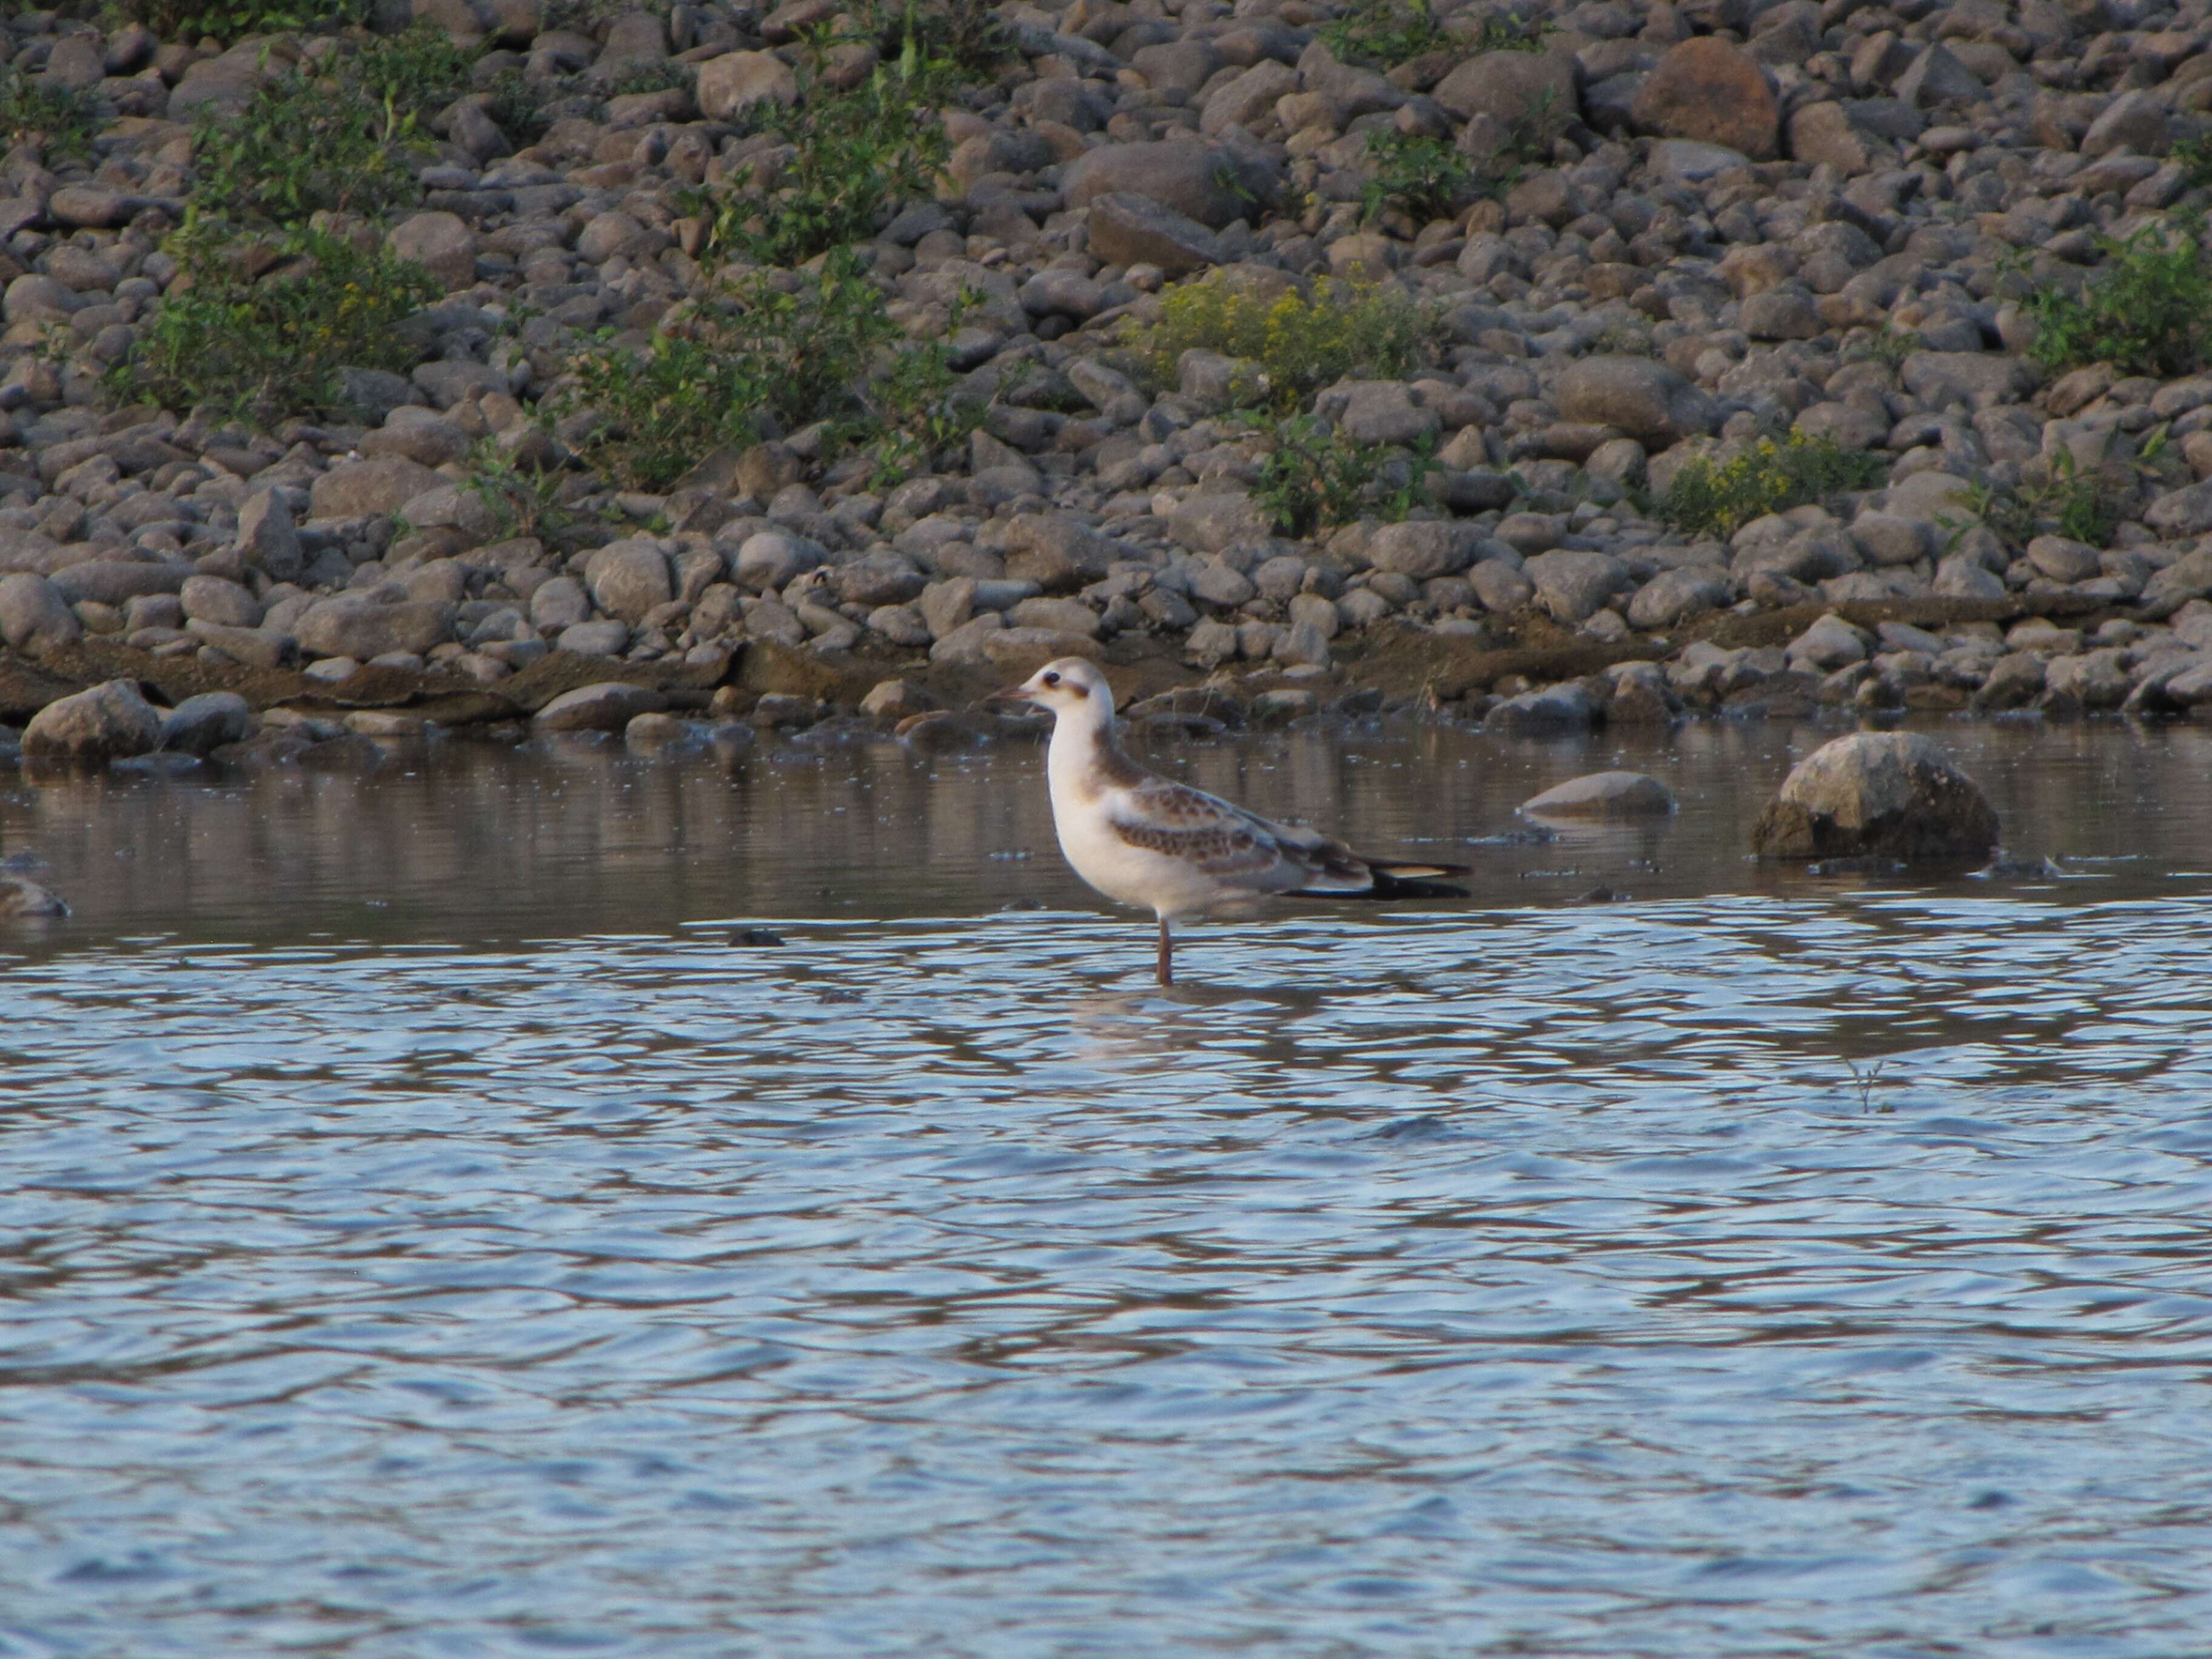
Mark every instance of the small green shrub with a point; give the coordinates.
(1771, 477)
(2063, 497)
(523, 501)
(313, 141)
(966, 36)
(2145, 311)
(1313, 478)
(518, 106)
(263, 332)
(1506, 31)
(60, 117)
(2195, 157)
(1426, 178)
(1299, 343)
(772, 353)
(229, 20)
(413, 74)
(855, 157)
(1384, 34)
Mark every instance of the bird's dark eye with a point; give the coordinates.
(1052, 679)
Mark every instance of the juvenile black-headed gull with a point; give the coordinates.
(1147, 840)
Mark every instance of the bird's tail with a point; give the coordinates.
(1400, 881)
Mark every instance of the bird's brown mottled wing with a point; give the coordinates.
(1224, 841)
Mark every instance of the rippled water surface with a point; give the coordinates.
(427, 1233)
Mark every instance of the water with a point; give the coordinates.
(427, 1234)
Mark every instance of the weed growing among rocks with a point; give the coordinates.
(2145, 311)
(1313, 478)
(1719, 498)
(1296, 342)
(58, 118)
(263, 329)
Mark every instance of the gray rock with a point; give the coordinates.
(22, 898)
(1500, 586)
(1552, 711)
(441, 243)
(1511, 86)
(1674, 596)
(216, 599)
(1125, 228)
(201, 725)
(117, 582)
(1209, 521)
(610, 706)
(1980, 380)
(267, 538)
(629, 577)
(366, 489)
(366, 626)
(738, 82)
(604, 638)
(1829, 644)
(770, 558)
(1422, 550)
(1893, 794)
(1574, 585)
(1647, 400)
(1201, 181)
(560, 602)
(34, 615)
(1603, 795)
(111, 721)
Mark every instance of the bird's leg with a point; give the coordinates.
(1167, 955)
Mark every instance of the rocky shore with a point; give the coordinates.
(1659, 236)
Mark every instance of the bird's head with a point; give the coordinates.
(1069, 687)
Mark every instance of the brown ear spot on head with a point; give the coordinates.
(1079, 690)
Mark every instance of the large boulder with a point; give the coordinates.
(201, 725)
(1709, 90)
(378, 486)
(34, 615)
(739, 82)
(610, 706)
(1514, 88)
(363, 626)
(629, 577)
(1603, 795)
(1205, 182)
(1127, 229)
(1893, 794)
(1645, 400)
(110, 722)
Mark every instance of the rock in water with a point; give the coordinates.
(1890, 793)
(110, 722)
(1603, 795)
(22, 898)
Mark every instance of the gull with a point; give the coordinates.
(1147, 840)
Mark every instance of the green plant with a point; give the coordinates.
(1297, 342)
(1506, 31)
(517, 105)
(2061, 496)
(1313, 478)
(1889, 346)
(1384, 34)
(965, 35)
(314, 140)
(2195, 157)
(853, 156)
(1530, 137)
(1426, 178)
(2145, 311)
(262, 331)
(523, 502)
(1770, 477)
(771, 352)
(229, 20)
(60, 117)
(413, 74)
